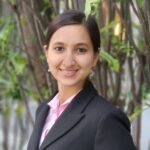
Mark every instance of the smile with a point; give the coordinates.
(68, 72)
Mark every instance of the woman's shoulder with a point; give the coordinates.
(105, 109)
(102, 104)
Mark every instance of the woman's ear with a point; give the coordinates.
(96, 58)
(45, 49)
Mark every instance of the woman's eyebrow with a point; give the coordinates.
(58, 43)
(82, 44)
(76, 44)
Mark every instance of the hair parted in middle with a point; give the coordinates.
(72, 17)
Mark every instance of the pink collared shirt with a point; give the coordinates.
(55, 111)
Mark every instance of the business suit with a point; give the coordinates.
(88, 123)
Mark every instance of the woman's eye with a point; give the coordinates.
(59, 49)
(81, 50)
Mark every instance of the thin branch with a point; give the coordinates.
(21, 89)
(143, 21)
(134, 9)
(117, 87)
(34, 14)
(29, 59)
(129, 30)
(133, 88)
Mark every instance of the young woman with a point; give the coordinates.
(76, 117)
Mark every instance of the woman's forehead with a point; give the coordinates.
(71, 33)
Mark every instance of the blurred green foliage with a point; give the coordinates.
(12, 62)
(116, 51)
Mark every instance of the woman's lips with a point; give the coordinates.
(69, 72)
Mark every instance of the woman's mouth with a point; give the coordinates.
(69, 72)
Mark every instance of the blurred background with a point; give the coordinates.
(122, 74)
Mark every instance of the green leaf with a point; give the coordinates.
(31, 93)
(13, 2)
(46, 2)
(109, 26)
(140, 2)
(19, 62)
(91, 6)
(112, 62)
(137, 111)
(19, 109)
(5, 111)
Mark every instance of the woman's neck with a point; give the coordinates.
(66, 91)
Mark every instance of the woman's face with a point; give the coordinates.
(71, 56)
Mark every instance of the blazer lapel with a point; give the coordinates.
(72, 115)
(60, 128)
(35, 138)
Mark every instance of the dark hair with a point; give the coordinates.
(71, 17)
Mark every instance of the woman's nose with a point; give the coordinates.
(69, 59)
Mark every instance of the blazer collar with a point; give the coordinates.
(72, 115)
(35, 137)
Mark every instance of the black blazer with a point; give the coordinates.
(88, 123)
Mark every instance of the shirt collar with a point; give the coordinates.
(55, 102)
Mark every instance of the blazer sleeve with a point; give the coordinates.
(113, 133)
